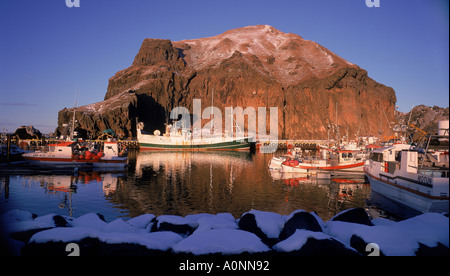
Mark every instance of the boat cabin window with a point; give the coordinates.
(376, 156)
(347, 155)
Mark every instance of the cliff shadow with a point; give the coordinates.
(151, 113)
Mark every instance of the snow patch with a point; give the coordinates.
(224, 241)
(298, 240)
(403, 238)
(270, 223)
(155, 241)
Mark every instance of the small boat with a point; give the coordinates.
(276, 161)
(76, 154)
(415, 177)
(346, 160)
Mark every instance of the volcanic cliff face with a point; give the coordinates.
(255, 66)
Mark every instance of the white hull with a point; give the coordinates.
(400, 174)
(313, 169)
(275, 163)
(154, 142)
(62, 155)
(117, 163)
(414, 200)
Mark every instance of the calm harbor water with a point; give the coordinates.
(182, 183)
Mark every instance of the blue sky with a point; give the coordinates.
(48, 50)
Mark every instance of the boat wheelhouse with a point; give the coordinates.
(411, 176)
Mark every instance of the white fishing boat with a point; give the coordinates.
(75, 154)
(348, 161)
(415, 177)
(185, 139)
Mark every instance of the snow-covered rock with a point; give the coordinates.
(313, 243)
(177, 224)
(354, 215)
(91, 220)
(266, 225)
(300, 219)
(222, 241)
(93, 242)
(256, 232)
(120, 226)
(144, 221)
(219, 221)
(405, 238)
(16, 215)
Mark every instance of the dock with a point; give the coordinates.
(33, 144)
(290, 144)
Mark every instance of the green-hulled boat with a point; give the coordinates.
(183, 139)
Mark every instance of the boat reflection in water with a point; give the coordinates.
(71, 195)
(182, 183)
(327, 193)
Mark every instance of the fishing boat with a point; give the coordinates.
(343, 160)
(184, 139)
(78, 154)
(276, 161)
(413, 176)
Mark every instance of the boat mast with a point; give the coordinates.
(212, 113)
(74, 110)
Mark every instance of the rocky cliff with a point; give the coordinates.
(424, 117)
(117, 113)
(255, 66)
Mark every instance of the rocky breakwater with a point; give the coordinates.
(255, 66)
(255, 233)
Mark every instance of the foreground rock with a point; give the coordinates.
(255, 233)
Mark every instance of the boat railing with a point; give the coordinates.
(41, 148)
(434, 172)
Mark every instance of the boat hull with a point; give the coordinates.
(275, 163)
(231, 145)
(121, 162)
(310, 168)
(409, 197)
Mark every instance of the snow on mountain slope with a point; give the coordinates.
(286, 57)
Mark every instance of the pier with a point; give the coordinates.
(289, 144)
(33, 144)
